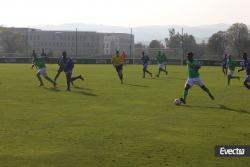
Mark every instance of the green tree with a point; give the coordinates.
(217, 43)
(156, 44)
(238, 39)
(174, 40)
(139, 45)
(189, 43)
(185, 41)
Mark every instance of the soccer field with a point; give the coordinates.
(103, 123)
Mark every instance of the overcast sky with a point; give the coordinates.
(129, 13)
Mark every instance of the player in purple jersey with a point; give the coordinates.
(60, 69)
(68, 66)
(246, 66)
(224, 64)
(145, 61)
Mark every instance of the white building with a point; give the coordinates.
(118, 41)
(80, 44)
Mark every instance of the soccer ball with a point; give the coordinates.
(177, 101)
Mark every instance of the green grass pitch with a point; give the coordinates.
(103, 123)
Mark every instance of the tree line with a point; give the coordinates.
(235, 40)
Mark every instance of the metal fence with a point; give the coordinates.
(174, 53)
(171, 53)
(174, 56)
(53, 60)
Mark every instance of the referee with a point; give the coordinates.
(117, 63)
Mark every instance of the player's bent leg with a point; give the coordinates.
(166, 72)
(143, 72)
(68, 77)
(203, 87)
(50, 80)
(185, 93)
(162, 69)
(159, 71)
(121, 76)
(118, 68)
(57, 75)
(224, 70)
(149, 73)
(75, 78)
(40, 79)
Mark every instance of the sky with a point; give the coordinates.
(128, 13)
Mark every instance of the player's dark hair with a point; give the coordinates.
(190, 54)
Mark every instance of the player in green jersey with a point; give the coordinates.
(231, 65)
(161, 64)
(193, 78)
(39, 62)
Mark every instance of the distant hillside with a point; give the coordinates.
(146, 33)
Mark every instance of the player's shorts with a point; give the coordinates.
(162, 66)
(224, 65)
(194, 81)
(230, 72)
(68, 72)
(145, 66)
(43, 72)
(118, 67)
(247, 78)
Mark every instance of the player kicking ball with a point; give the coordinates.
(68, 66)
(246, 66)
(60, 69)
(117, 63)
(193, 78)
(39, 62)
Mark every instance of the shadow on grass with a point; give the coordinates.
(220, 107)
(52, 89)
(80, 88)
(80, 91)
(84, 93)
(137, 85)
